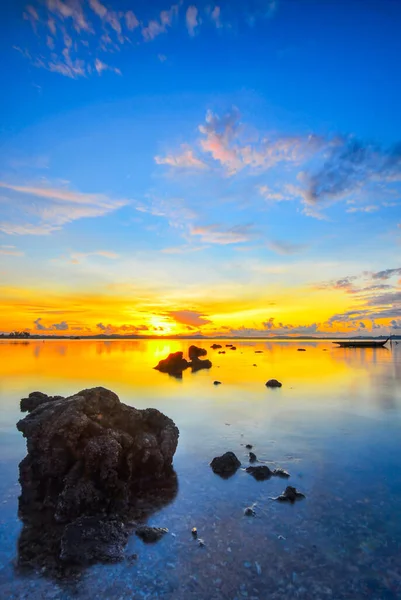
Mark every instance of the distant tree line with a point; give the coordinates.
(18, 334)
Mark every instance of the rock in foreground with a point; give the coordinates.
(225, 465)
(90, 455)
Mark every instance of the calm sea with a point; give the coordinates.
(335, 425)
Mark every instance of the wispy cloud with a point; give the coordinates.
(55, 206)
(215, 16)
(6, 250)
(77, 257)
(213, 234)
(184, 160)
(158, 26)
(286, 248)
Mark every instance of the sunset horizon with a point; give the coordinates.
(200, 169)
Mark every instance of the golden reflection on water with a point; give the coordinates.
(64, 366)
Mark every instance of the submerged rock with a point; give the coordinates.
(290, 494)
(150, 534)
(258, 351)
(216, 382)
(174, 364)
(260, 473)
(225, 465)
(273, 383)
(301, 349)
(196, 352)
(91, 539)
(222, 351)
(89, 455)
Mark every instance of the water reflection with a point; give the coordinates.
(334, 425)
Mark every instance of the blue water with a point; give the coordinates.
(334, 425)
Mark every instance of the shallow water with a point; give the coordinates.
(334, 425)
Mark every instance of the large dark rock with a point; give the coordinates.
(225, 465)
(174, 364)
(196, 352)
(89, 455)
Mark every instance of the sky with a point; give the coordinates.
(229, 168)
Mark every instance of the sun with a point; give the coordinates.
(162, 326)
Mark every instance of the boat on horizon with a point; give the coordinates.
(362, 343)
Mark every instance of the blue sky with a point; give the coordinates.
(158, 154)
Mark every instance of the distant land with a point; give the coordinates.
(192, 337)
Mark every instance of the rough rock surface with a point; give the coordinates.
(90, 539)
(196, 352)
(281, 473)
(273, 383)
(225, 465)
(34, 400)
(89, 455)
(197, 364)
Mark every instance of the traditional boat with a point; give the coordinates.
(362, 343)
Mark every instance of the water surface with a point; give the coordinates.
(334, 425)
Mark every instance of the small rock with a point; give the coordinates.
(196, 352)
(233, 348)
(216, 382)
(254, 365)
(259, 473)
(273, 383)
(249, 446)
(281, 473)
(222, 351)
(225, 465)
(301, 349)
(215, 346)
(280, 537)
(201, 543)
(249, 511)
(258, 351)
(290, 494)
(149, 535)
(252, 457)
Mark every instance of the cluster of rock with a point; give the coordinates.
(175, 363)
(228, 464)
(93, 466)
